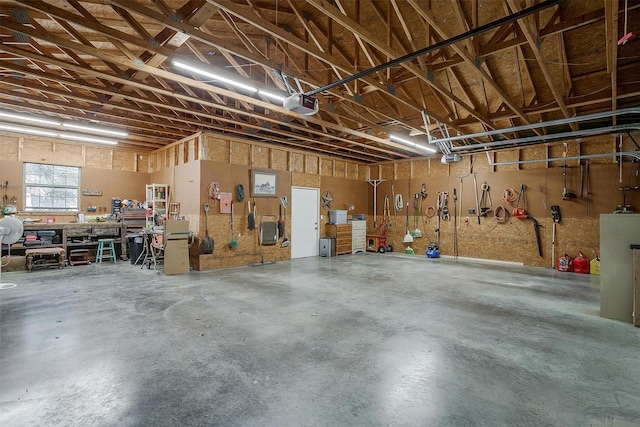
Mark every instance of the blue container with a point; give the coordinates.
(433, 253)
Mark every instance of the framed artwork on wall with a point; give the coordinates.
(263, 183)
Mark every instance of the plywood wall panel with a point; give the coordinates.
(480, 163)
(311, 164)
(353, 171)
(100, 158)
(601, 145)
(239, 153)
(506, 156)
(461, 168)
(279, 159)
(260, 157)
(387, 171)
(403, 170)
(438, 169)
(215, 148)
(557, 151)
(124, 161)
(53, 152)
(296, 162)
(536, 152)
(143, 163)
(305, 180)
(326, 167)
(9, 147)
(339, 169)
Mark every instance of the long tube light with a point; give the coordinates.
(22, 129)
(95, 129)
(411, 143)
(28, 118)
(12, 115)
(214, 76)
(54, 134)
(87, 138)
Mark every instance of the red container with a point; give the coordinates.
(581, 264)
(565, 263)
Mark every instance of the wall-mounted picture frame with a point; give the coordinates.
(263, 183)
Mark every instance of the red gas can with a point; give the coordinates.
(581, 264)
(565, 263)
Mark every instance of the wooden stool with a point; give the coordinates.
(106, 245)
(79, 256)
(45, 257)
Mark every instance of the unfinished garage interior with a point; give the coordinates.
(320, 213)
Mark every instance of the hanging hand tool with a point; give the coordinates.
(445, 206)
(486, 198)
(586, 187)
(566, 195)
(461, 177)
(408, 238)
(386, 213)
(251, 219)
(423, 196)
(416, 209)
(438, 213)
(475, 184)
(455, 224)
(520, 212)
(395, 211)
(536, 229)
(555, 215)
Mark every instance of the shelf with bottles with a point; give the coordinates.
(156, 204)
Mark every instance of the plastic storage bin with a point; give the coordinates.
(337, 216)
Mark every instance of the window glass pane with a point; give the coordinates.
(51, 187)
(46, 174)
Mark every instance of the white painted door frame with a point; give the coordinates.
(305, 220)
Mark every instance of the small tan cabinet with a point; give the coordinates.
(342, 234)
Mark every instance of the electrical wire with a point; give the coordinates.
(509, 195)
(213, 191)
(397, 203)
(500, 214)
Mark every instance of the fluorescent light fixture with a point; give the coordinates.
(411, 143)
(271, 95)
(54, 134)
(22, 129)
(214, 76)
(87, 138)
(95, 129)
(28, 118)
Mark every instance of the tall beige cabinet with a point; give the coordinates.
(617, 233)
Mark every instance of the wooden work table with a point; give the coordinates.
(75, 235)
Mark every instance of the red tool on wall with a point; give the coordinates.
(520, 212)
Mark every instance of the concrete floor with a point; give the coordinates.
(367, 340)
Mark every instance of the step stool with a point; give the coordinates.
(106, 245)
(79, 256)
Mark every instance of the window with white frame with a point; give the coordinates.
(51, 187)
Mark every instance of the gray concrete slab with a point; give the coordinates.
(371, 340)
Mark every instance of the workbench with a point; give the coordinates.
(77, 235)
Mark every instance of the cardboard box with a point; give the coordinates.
(176, 251)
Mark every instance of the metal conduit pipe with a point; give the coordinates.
(634, 154)
(542, 124)
(552, 137)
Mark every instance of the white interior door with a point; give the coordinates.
(305, 208)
